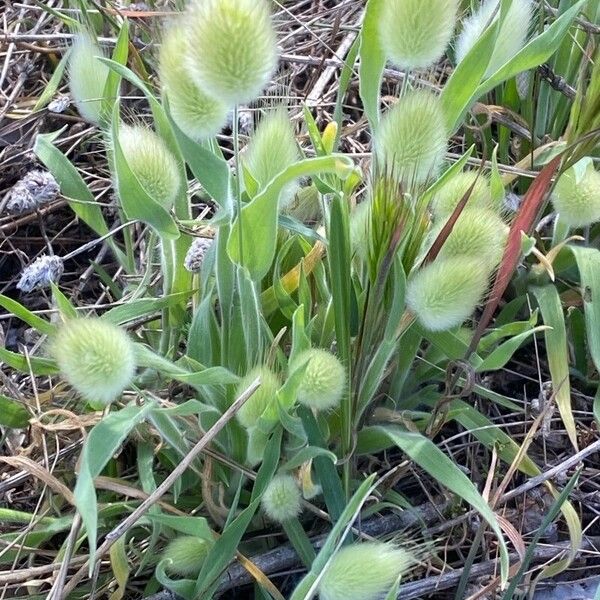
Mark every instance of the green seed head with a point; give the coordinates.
(478, 233)
(151, 162)
(364, 571)
(451, 193)
(271, 150)
(281, 499)
(359, 228)
(255, 449)
(511, 37)
(185, 555)
(232, 48)
(323, 383)
(415, 33)
(577, 199)
(444, 293)
(263, 397)
(412, 137)
(196, 113)
(95, 357)
(87, 78)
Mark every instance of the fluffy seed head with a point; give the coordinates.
(185, 555)
(478, 233)
(450, 194)
(577, 200)
(32, 191)
(151, 162)
(254, 407)
(412, 137)
(195, 112)
(195, 255)
(95, 357)
(364, 571)
(444, 293)
(271, 150)
(87, 78)
(415, 33)
(281, 499)
(232, 47)
(43, 271)
(322, 386)
(511, 37)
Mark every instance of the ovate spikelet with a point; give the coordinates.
(478, 233)
(451, 193)
(322, 386)
(511, 37)
(364, 571)
(196, 113)
(412, 136)
(578, 202)
(95, 357)
(151, 162)
(254, 407)
(232, 49)
(415, 33)
(281, 499)
(271, 150)
(87, 78)
(444, 293)
(185, 555)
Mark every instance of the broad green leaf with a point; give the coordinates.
(537, 51)
(120, 568)
(113, 80)
(588, 263)
(431, 459)
(211, 170)
(558, 353)
(134, 309)
(459, 91)
(52, 85)
(372, 62)
(253, 238)
(103, 441)
(189, 525)
(65, 306)
(307, 453)
(12, 413)
(72, 186)
(504, 352)
(28, 364)
(23, 313)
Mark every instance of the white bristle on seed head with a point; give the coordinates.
(251, 411)
(95, 357)
(281, 500)
(232, 47)
(365, 571)
(185, 555)
(415, 33)
(272, 148)
(511, 37)
(87, 78)
(198, 114)
(576, 197)
(323, 382)
(412, 137)
(151, 162)
(478, 233)
(444, 293)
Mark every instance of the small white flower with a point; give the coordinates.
(41, 273)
